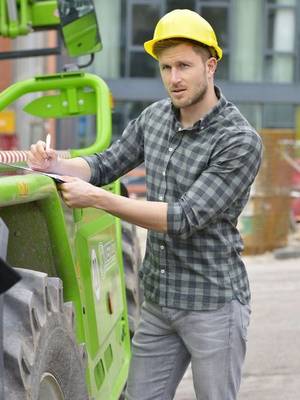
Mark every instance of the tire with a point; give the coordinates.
(132, 263)
(41, 357)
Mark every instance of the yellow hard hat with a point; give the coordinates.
(183, 24)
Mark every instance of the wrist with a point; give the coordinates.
(98, 197)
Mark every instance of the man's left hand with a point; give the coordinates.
(77, 193)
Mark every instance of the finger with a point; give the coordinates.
(37, 164)
(51, 154)
(66, 199)
(41, 149)
(37, 152)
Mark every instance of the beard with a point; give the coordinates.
(195, 98)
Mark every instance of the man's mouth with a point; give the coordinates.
(177, 91)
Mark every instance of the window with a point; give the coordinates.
(252, 112)
(217, 14)
(279, 116)
(142, 17)
(125, 111)
(280, 52)
(173, 4)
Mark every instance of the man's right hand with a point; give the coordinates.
(40, 159)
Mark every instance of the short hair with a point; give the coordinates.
(198, 47)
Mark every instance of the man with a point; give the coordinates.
(201, 156)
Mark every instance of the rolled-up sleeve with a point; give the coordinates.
(232, 168)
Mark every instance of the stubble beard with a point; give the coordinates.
(195, 99)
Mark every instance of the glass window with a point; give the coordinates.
(223, 68)
(280, 54)
(279, 68)
(144, 18)
(141, 64)
(125, 111)
(279, 38)
(279, 116)
(174, 4)
(217, 14)
(253, 113)
(218, 18)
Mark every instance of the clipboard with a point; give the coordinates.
(55, 177)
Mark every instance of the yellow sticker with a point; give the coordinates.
(23, 188)
(7, 122)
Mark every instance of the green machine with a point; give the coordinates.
(66, 330)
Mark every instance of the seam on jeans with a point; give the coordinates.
(230, 341)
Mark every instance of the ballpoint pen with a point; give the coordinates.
(48, 142)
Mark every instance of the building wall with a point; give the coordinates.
(259, 70)
(5, 66)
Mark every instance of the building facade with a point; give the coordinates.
(260, 69)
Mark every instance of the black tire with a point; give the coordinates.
(41, 357)
(132, 263)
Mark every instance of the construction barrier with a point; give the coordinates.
(265, 222)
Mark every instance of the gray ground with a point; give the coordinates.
(272, 368)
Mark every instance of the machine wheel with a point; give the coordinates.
(42, 360)
(132, 263)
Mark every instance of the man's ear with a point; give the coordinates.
(211, 66)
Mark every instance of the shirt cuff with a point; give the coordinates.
(175, 219)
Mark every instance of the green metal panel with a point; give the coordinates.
(99, 256)
(75, 102)
(36, 202)
(81, 36)
(44, 13)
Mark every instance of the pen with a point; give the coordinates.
(48, 142)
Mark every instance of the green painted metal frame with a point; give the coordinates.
(32, 14)
(70, 83)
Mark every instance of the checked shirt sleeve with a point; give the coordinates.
(122, 156)
(226, 180)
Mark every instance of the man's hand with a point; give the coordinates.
(40, 159)
(47, 160)
(77, 193)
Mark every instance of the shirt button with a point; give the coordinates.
(162, 271)
(170, 149)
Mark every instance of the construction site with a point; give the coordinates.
(74, 74)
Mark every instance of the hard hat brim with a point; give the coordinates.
(149, 45)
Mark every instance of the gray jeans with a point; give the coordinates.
(167, 340)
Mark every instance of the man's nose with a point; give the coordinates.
(175, 75)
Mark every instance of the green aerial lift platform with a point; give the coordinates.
(65, 324)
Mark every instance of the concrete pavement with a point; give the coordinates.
(272, 368)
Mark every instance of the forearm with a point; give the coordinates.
(147, 214)
(77, 167)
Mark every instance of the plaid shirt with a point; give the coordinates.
(204, 173)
